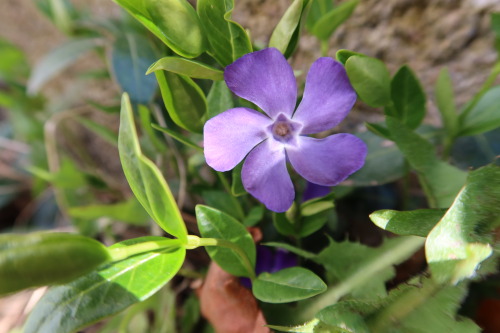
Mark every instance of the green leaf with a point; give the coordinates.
(131, 56)
(216, 224)
(105, 292)
(219, 99)
(104, 132)
(13, 63)
(287, 285)
(440, 181)
(345, 317)
(314, 326)
(145, 179)
(317, 10)
(293, 249)
(254, 216)
(495, 23)
(283, 225)
(415, 222)
(237, 188)
(379, 130)
(58, 59)
(177, 136)
(342, 55)
(228, 40)
(185, 101)
(169, 20)
(408, 98)
(328, 23)
(445, 101)
(286, 33)
(187, 67)
(129, 211)
(224, 202)
(145, 118)
(484, 116)
(371, 80)
(43, 258)
(460, 241)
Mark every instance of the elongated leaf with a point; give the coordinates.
(177, 136)
(129, 211)
(440, 181)
(145, 179)
(287, 285)
(484, 116)
(130, 58)
(169, 20)
(371, 80)
(461, 240)
(228, 40)
(408, 97)
(237, 188)
(415, 222)
(185, 102)
(445, 101)
(286, 34)
(219, 99)
(318, 9)
(216, 224)
(105, 292)
(104, 132)
(329, 22)
(43, 258)
(224, 202)
(187, 67)
(59, 59)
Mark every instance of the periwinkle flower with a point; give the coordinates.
(266, 79)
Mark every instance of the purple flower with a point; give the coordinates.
(266, 79)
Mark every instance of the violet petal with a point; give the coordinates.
(229, 136)
(283, 259)
(266, 79)
(265, 176)
(330, 160)
(328, 97)
(313, 191)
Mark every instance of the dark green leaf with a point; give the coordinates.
(185, 101)
(177, 136)
(254, 216)
(224, 202)
(187, 67)
(318, 9)
(43, 258)
(445, 101)
(293, 249)
(288, 285)
(105, 292)
(216, 224)
(237, 187)
(408, 98)
(228, 40)
(145, 179)
(484, 116)
(495, 23)
(329, 22)
(129, 211)
(379, 130)
(476, 151)
(371, 80)
(219, 99)
(283, 225)
(415, 222)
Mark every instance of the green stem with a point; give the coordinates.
(324, 48)
(125, 252)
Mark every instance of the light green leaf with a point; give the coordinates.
(287, 285)
(145, 179)
(191, 68)
(415, 222)
(58, 59)
(445, 101)
(286, 33)
(185, 101)
(371, 80)
(177, 136)
(105, 292)
(13, 63)
(219, 99)
(440, 181)
(461, 240)
(216, 224)
(129, 211)
(313, 326)
(342, 55)
(228, 40)
(328, 23)
(484, 116)
(408, 98)
(318, 9)
(44, 258)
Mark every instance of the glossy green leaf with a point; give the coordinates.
(445, 101)
(415, 222)
(219, 99)
(224, 202)
(287, 285)
(484, 116)
(440, 181)
(129, 211)
(461, 240)
(286, 34)
(371, 80)
(228, 40)
(216, 224)
(58, 59)
(44, 258)
(169, 20)
(145, 179)
(185, 101)
(328, 23)
(342, 55)
(131, 55)
(191, 68)
(177, 136)
(237, 188)
(408, 98)
(105, 292)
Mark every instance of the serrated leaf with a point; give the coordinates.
(191, 68)
(414, 222)
(484, 116)
(328, 23)
(445, 101)
(105, 292)
(145, 179)
(228, 40)
(216, 224)
(287, 285)
(44, 258)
